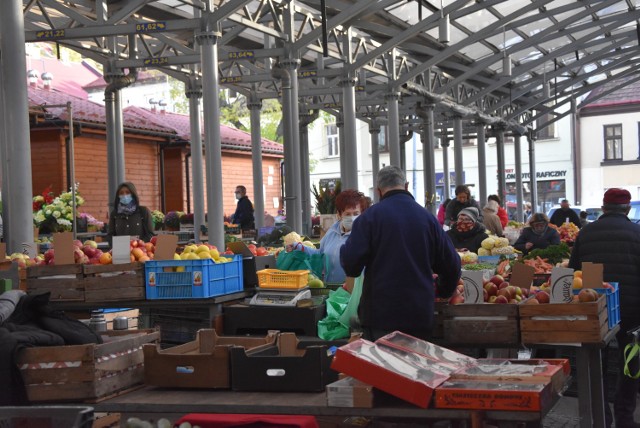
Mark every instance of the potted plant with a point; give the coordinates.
(325, 198)
(158, 219)
(172, 220)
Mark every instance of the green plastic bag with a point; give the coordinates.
(330, 327)
(298, 260)
(351, 311)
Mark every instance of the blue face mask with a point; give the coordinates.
(126, 199)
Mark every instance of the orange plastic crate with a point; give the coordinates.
(291, 279)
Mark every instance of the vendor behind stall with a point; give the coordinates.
(467, 232)
(349, 204)
(537, 235)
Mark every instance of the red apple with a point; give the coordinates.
(485, 295)
(504, 293)
(491, 288)
(542, 297)
(456, 299)
(501, 299)
(497, 279)
(587, 295)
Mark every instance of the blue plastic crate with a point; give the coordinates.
(613, 303)
(265, 230)
(200, 278)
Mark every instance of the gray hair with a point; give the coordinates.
(616, 208)
(390, 176)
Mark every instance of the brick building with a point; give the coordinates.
(148, 136)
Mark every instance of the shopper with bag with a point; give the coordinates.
(400, 245)
(350, 204)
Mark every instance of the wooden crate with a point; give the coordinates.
(85, 372)
(438, 320)
(564, 322)
(107, 283)
(63, 281)
(481, 324)
(88, 283)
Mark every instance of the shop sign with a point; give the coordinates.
(510, 174)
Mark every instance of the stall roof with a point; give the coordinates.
(388, 45)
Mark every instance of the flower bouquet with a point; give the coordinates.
(55, 214)
(93, 224)
(172, 220)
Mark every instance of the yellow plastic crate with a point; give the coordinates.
(274, 278)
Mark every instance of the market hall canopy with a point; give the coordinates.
(498, 61)
(511, 64)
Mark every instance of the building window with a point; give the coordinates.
(544, 129)
(383, 139)
(333, 140)
(613, 142)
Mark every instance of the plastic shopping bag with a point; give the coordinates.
(298, 260)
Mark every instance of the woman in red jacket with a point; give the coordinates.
(502, 213)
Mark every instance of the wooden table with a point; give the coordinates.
(151, 400)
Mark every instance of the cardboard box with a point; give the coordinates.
(349, 392)
(450, 360)
(478, 395)
(534, 371)
(404, 374)
(85, 372)
(203, 363)
(281, 368)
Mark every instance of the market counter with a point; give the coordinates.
(163, 401)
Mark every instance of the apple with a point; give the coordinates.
(90, 243)
(525, 292)
(501, 299)
(503, 285)
(542, 297)
(456, 299)
(497, 279)
(504, 293)
(491, 288)
(531, 301)
(587, 295)
(513, 301)
(492, 299)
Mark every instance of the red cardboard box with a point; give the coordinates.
(406, 375)
(478, 395)
(435, 353)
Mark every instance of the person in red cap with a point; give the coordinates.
(614, 241)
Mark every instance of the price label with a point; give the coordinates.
(49, 34)
(241, 55)
(473, 290)
(148, 27)
(156, 61)
(120, 249)
(561, 285)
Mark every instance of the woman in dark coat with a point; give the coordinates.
(462, 200)
(467, 232)
(128, 216)
(537, 235)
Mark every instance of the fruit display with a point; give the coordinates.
(568, 231)
(202, 251)
(498, 290)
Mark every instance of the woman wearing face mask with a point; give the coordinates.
(467, 232)
(349, 204)
(128, 216)
(537, 235)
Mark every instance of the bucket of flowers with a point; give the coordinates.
(158, 219)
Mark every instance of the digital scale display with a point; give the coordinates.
(271, 297)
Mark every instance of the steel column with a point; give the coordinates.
(532, 176)
(194, 93)
(501, 167)
(374, 130)
(348, 84)
(112, 163)
(17, 192)
(394, 127)
(457, 150)
(445, 167)
(342, 147)
(428, 159)
(292, 65)
(518, 171)
(306, 118)
(254, 105)
(482, 164)
(119, 136)
(212, 144)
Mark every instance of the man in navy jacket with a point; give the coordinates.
(400, 245)
(614, 241)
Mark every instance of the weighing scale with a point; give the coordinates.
(279, 297)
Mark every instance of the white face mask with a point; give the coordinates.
(238, 194)
(347, 222)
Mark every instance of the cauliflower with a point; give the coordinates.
(467, 257)
(484, 251)
(505, 250)
(291, 238)
(501, 242)
(308, 244)
(488, 244)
